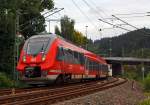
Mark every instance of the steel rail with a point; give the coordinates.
(34, 97)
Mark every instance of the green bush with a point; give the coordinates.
(5, 81)
(145, 102)
(146, 83)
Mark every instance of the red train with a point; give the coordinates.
(50, 58)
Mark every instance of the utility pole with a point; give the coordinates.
(86, 37)
(16, 47)
(100, 30)
(86, 47)
(110, 49)
(49, 21)
(49, 26)
(143, 71)
(143, 68)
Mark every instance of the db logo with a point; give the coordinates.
(33, 59)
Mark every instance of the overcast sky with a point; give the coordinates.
(87, 12)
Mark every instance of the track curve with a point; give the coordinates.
(49, 96)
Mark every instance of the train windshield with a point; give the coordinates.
(37, 45)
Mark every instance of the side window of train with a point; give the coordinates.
(76, 55)
(60, 54)
(65, 55)
(97, 68)
(90, 65)
(104, 67)
(68, 56)
(86, 63)
(100, 66)
(94, 66)
(81, 59)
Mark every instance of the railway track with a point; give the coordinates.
(49, 96)
(18, 90)
(31, 89)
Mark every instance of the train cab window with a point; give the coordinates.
(36, 45)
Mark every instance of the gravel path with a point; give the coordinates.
(120, 95)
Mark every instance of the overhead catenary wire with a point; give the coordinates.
(98, 8)
(38, 17)
(54, 12)
(49, 11)
(95, 9)
(114, 25)
(128, 17)
(84, 14)
(92, 8)
(125, 22)
(133, 13)
(131, 25)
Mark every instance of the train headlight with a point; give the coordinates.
(24, 58)
(43, 57)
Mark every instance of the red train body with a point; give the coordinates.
(48, 58)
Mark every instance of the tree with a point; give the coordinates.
(79, 38)
(67, 27)
(30, 21)
(68, 32)
(7, 31)
(134, 44)
(57, 31)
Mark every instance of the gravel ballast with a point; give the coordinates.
(130, 93)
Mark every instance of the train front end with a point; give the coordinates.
(33, 64)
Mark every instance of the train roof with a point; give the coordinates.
(69, 45)
(53, 36)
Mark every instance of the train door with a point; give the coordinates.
(61, 57)
(61, 65)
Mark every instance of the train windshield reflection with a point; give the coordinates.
(37, 45)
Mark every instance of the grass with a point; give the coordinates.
(146, 101)
(7, 82)
(146, 84)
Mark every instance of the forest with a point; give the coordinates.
(130, 44)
